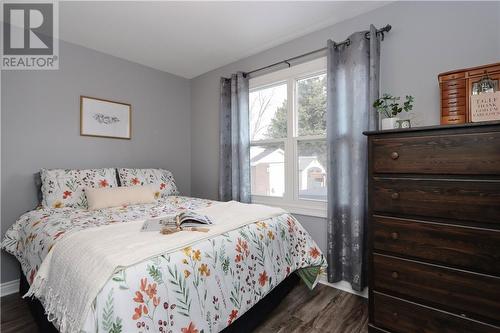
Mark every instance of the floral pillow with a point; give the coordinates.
(162, 180)
(65, 187)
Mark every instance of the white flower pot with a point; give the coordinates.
(389, 123)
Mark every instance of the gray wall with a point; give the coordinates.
(498, 28)
(427, 38)
(40, 110)
(40, 125)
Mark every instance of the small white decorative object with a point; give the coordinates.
(405, 123)
(389, 123)
(485, 107)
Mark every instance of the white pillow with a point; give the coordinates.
(99, 198)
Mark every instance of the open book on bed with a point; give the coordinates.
(184, 220)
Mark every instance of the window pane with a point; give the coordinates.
(312, 170)
(268, 113)
(268, 169)
(311, 105)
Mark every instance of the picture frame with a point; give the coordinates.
(105, 118)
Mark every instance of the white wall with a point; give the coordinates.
(427, 38)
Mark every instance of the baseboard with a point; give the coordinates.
(9, 287)
(342, 285)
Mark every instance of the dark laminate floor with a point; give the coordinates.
(16, 316)
(322, 310)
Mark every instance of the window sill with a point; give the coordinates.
(313, 208)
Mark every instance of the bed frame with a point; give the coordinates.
(244, 324)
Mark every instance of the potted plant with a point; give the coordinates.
(389, 107)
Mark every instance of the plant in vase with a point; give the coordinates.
(390, 107)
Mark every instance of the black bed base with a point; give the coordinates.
(36, 308)
(245, 324)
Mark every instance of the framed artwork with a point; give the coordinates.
(105, 118)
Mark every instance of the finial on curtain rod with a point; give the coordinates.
(381, 31)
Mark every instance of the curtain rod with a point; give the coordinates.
(381, 31)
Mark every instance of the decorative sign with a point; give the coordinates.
(104, 118)
(485, 107)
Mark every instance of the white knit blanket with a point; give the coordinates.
(80, 264)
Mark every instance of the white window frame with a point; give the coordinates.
(290, 200)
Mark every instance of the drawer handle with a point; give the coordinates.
(394, 155)
(394, 235)
(395, 195)
(395, 275)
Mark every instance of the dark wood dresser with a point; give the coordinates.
(434, 229)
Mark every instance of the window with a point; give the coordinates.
(288, 138)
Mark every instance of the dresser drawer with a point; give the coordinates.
(453, 93)
(450, 120)
(463, 247)
(453, 84)
(472, 295)
(455, 200)
(400, 316)
(452, 102)
(453, 111)
(477, 153)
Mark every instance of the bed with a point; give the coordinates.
(204, 287)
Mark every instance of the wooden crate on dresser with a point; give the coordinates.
(434, 229)
(456, 88)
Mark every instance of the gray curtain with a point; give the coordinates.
(234, 156)
(352, 86)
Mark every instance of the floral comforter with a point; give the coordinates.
(202, 288)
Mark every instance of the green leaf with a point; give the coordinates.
(117, 326)
(390, 106)
(225, 265)
(155, 273)
(179, 283)
(107, 313)
(119, 276)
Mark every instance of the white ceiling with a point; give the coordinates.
(191, 38)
